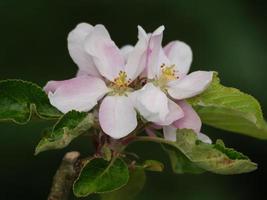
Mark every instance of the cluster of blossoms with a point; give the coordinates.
(145, 83)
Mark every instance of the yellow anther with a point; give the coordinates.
(168, 72)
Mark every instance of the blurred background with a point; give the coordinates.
(228, 36)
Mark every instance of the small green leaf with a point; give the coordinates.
(19, 100)
(131, 190)
(70, 126)
(153, 165)
(99, 176)
(230, 109)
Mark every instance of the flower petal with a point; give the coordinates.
(155, 55)
(81, 73)
(80, 93)
(191, 85)
(136, 61)
(106, 55)
(190, 120)
(126, 50)
(180, 54)
(204, 138)
(117, 116)
(142, 35)
(151, 103)
(76, 39)
(169, 133)
(175, 113)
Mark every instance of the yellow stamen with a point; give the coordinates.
(121, 80)
(168, 72)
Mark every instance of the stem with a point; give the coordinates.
(64, 177)
(150, 139)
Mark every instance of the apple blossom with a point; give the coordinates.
(104, 69)
(166, 70)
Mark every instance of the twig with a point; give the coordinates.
(64, 177)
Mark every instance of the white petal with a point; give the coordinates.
(180, 54)
(142, 35)
(175, 114)
(76, 39)
(169, 133)
(80, 93)
(190, 120)
(136, 61)
(105, 53)
(191, 85)
(151, 103)
(155, 56)
(126, 50)
(81, 73)
(204, 138)
(117, 116)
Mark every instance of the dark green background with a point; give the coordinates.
(228, 36)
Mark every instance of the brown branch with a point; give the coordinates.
(64, 177)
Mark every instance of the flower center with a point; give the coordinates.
(120, 85)
(121, 81)
(168, 72)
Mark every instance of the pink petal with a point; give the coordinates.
(80, 93)
(105, 53)
(190, 120)
(191, 85)
(179, 54)
(117, 116)
(175, 113)
(77, 52)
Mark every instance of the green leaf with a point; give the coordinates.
(230, 109)
(131, 190)
(153, 165)
(70, 126)
(214, 158)
(19, 100)
(180, 163)
(99, 176)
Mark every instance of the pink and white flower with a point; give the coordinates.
(104, 69)
(166, 70)
(107, 73)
